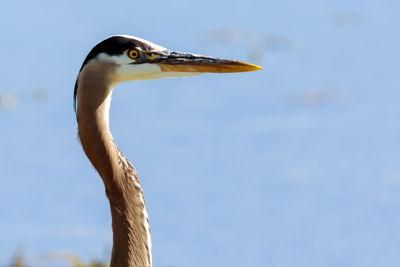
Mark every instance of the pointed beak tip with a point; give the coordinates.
(241, 67)
(253, 67)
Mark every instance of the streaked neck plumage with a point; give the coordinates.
(131, 233)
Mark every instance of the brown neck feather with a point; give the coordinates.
(131, 234)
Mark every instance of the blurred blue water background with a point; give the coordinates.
(294, 165)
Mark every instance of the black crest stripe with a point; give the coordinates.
(114, 45)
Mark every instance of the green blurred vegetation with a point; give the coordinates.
(19, 260)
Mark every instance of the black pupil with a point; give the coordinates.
(134, 53)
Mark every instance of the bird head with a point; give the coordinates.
(131, 58)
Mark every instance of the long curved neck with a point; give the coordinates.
(131, 233)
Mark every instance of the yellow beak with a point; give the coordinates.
(181, 62)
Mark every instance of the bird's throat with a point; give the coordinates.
(131, 233)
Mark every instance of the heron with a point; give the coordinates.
(117, 59)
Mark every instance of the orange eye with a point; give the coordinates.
(133, 54)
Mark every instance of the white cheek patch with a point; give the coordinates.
(117, 59)
(130, 72)
(145, 71)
